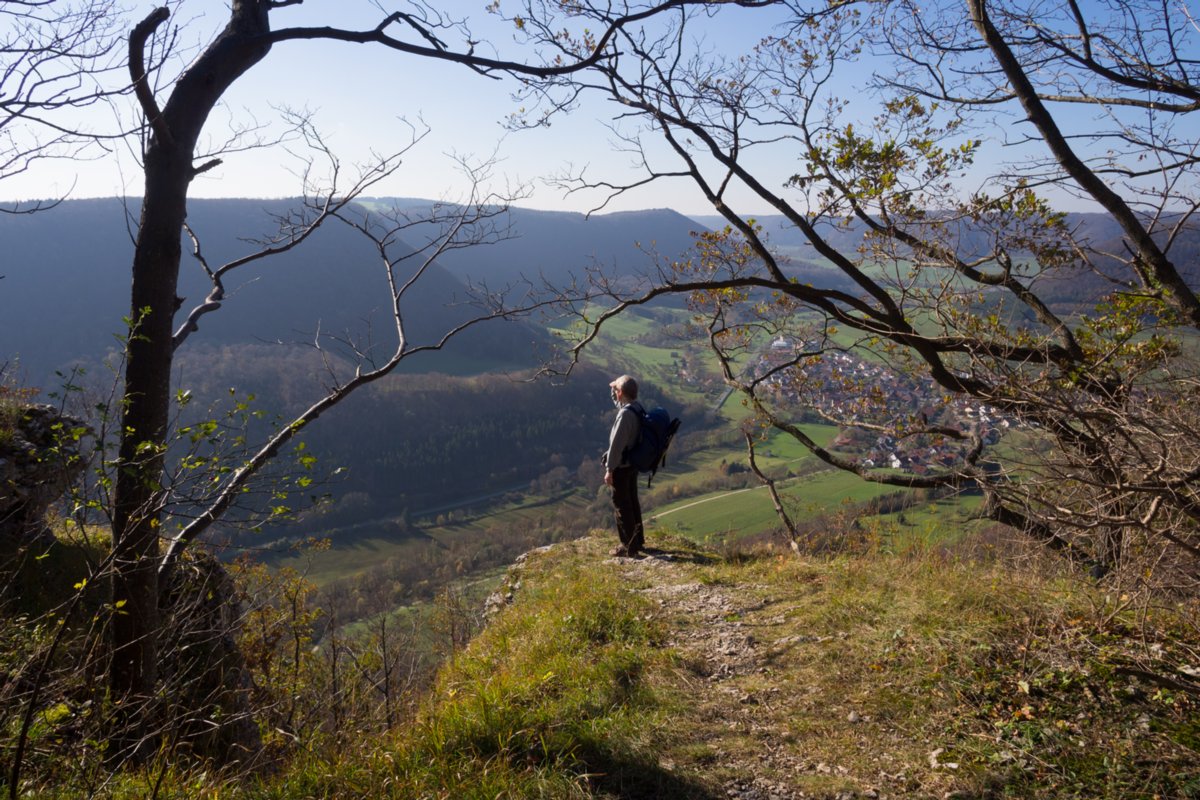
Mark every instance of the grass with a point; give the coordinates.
(747, 512)
(939, 522)
(780, 451)
(784, 447)
(349, 554)
(921, 676)
(550, 701)
(617, 350)
(709, 516)
(688, 477)
(34, 578)
(874, 669)
(13, 403)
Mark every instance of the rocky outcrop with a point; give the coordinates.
(39, 460)
(505, 594)
(203, 671)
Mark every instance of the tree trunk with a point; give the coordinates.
(136, 516)
(149, 352)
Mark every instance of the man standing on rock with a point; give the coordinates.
(619, 474)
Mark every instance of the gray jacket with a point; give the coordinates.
(624, 435)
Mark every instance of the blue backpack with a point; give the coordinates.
(657, 430)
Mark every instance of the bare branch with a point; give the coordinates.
(137, 71)
(462, 225)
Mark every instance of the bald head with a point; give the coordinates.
(627, 386)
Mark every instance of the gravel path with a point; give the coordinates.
(724, 633)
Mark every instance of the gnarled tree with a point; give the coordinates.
(175, 116)
(916, 157)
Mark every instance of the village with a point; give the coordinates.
(837, 386)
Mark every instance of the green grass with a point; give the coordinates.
(527, 510)
(915, 676)
(939, 522)
(349, 554)
(35, 579)
(447, 362)
(617, 350)
(550, 701)
(782, 447)
(14, 401)
(1006, 674)
(740, 513)
(779, 451)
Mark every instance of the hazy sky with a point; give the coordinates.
(361, 96)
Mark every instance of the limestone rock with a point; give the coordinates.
(201, 664)
(39, 460)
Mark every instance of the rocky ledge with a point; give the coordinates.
(39, 460)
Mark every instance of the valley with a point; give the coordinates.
(457, 463)
(315, 319)
(704, 494)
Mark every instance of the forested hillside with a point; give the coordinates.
(66, 285)
(459, 426)
(66, 288)
(419, 442)
(557, 245)
(1068, 293)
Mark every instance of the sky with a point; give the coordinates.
(366, 99)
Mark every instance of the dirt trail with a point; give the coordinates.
(729, 636)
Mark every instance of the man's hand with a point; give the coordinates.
(608, 478)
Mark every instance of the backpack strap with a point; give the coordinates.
(662, 458)
(638, 414)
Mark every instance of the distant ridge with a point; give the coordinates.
(556, 245)
(1099, 229)
(67, 284)
(67, 277)
(67, 274)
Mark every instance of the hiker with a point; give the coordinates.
(619, 474)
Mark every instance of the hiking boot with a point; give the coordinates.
(620, 552)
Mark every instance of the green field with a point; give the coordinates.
(746, 512)
(347, 555)
(617, 350)
(940, 521)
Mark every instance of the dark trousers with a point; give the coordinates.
(627, 509)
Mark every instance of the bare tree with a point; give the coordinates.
(939, 261)
(56, 57)
(175, 113)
